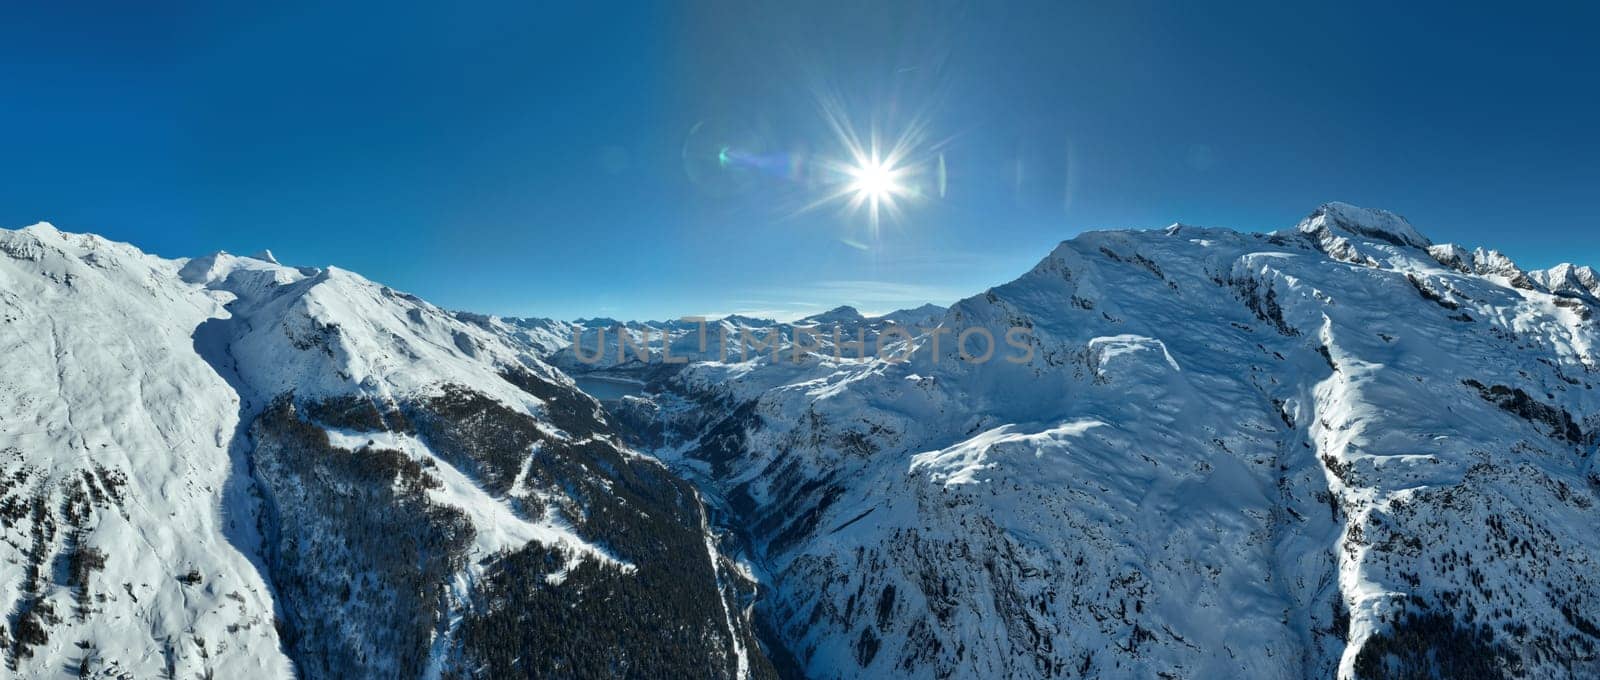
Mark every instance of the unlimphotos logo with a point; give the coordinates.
(891, 342)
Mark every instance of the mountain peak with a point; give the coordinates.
(927, 314)
(842, 313)
(751, 321)
(1365, 223)
(1566, 278)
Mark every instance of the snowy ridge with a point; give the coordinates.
(321, 332)
(1299, 454)
(268, 471)
(1362, 223)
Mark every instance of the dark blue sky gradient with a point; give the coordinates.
(529, 159)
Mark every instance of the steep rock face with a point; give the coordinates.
(250, 468)
(1362, 223)
(1331, 450)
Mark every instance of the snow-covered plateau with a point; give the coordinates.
(1336, 450)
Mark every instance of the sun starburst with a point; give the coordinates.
(876, 183)
(870, 176)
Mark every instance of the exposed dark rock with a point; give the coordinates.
(1430, 295)
(1514, 400)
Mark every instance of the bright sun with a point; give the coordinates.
(875, 181)
(873, 178)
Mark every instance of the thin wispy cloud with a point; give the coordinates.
(870, 297)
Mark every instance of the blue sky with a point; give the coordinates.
(534, 159)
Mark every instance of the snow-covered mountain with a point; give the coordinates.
(229, 466)
(1337, 449)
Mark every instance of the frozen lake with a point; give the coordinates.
(608, 389)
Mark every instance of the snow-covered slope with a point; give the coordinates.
(116, 439)
(1335, 449)
(226, 465)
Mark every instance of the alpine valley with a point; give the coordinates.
(1336, 450)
